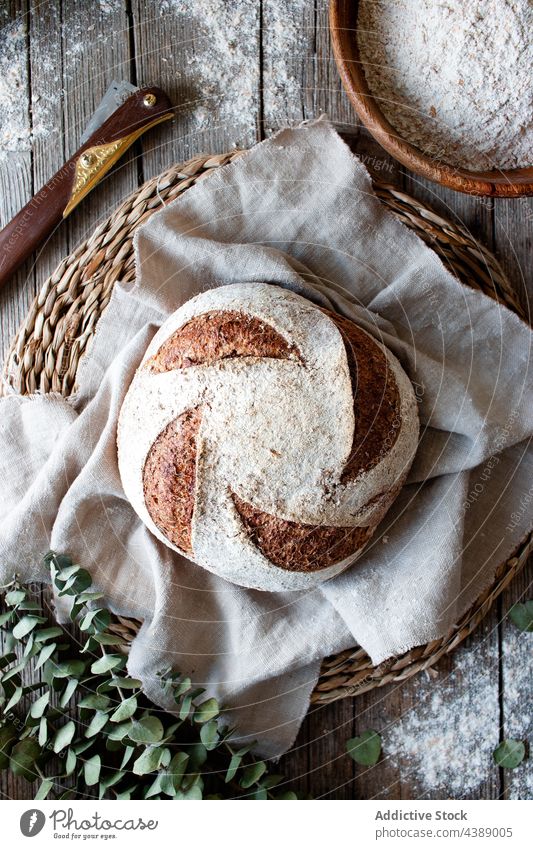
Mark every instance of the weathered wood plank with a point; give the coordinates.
(46, 69)
(16, 188)
(317, 766)
(514, 241)
(16, 184)
(96, 51)
(288, 40)
(329, 95)
(517, 675)
(207, 59)
(513, 232)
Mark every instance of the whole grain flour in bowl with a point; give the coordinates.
(453, 78)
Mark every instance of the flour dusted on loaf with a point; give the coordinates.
(265, 438)
(454, 78)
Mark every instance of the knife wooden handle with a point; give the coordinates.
(35, 221)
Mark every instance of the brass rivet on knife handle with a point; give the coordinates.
(96, 161)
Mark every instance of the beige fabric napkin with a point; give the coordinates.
(299, 211)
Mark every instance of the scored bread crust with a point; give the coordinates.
(266, 438)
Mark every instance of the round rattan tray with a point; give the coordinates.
(46, 352)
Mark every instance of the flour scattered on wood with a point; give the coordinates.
(15, 133)
(284, 41)
(517, 678)
(446, 741)
(109, 7)
(23, 122)
(454, 78)
(222, 62)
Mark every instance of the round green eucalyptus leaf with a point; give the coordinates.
(44, 789)
(8, 736)
(66, 571)
(68, 669)
(156, 787)
(64, 736)
(118, 732)
(43, 731)
(181, 688)
(193, 793)
(234, 765)
(206, 711)
(148, 761)
(80, 747)
(70, 763)
(15, 699)
(209, 734)
(14, 597)
(173, 775)
(147, 729)
(128, 754)
(41, 635)
(197, 756)
(522, 615)
(24, 756)
(68, 692)
(25, 625)
(509, 754)
(95, 701)
(38, 708)
(97, 723)
(91, 770)
(125, 683)
(125, 710)
(46, 652)
(252, 774)
(106, 663)
(366, 749)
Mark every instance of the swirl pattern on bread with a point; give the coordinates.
(265, 438)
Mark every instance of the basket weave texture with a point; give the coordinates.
(45, 354)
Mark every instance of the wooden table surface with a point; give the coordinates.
(236, 71)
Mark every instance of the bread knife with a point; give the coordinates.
(123, 115)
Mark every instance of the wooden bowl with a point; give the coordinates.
(343, 26)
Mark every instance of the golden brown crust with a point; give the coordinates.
(297, 547)
(219, 335)
(169, 478)
(377, 404)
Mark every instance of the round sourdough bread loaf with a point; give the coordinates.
(265, 438)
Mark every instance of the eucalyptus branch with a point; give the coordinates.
(120, 745)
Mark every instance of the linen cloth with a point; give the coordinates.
(298, 211)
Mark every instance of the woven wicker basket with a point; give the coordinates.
(46, 352)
